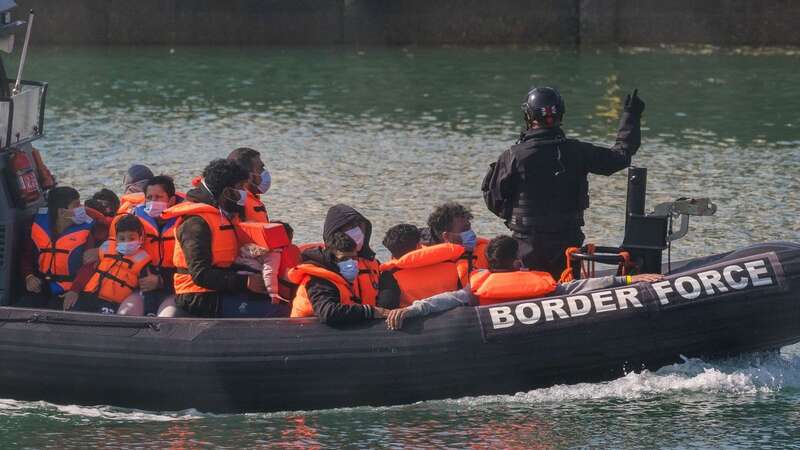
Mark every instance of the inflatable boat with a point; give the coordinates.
(740, 301)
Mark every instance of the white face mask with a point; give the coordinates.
(155, 208)
(357, 235)
(266, 181)
(79, 216)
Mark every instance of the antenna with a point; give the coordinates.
(24, 53)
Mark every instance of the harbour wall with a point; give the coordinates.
(415, 22)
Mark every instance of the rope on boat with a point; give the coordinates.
(44, 319)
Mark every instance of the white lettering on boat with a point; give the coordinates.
(719, 280)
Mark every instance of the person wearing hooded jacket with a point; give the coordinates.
(207, 245)
(540, 187)
(327, 277)
(346, 219)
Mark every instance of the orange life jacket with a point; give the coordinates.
(128, 201)
(254, 209)
(159, 240)
(499, 287)
(224, 245)
(302, 274)
(116, 276)
(365, 286)
(479, 260)
(427, 271)
(58, 257)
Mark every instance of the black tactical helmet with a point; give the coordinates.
(544, 106)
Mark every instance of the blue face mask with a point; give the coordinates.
(128, 248)
(469, 239)
(266, 181)
(348, 269)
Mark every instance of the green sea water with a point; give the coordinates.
(395, 132)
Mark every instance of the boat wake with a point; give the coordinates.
(752, 374)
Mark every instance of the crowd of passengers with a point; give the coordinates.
(157, 251)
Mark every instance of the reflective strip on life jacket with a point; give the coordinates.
(427, 271)
(302, 274)
(224, 244)
(58, 262)
(500, 287)
(116, 276)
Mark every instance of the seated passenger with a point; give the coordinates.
(159, 242)
(418, 272)
(346, 219)
(133, 182)
(504, 282)
(102, 208)
(259, 183)
(450, 222)
(114, 286)
(53, 256)
(326, 278)
(206, 243)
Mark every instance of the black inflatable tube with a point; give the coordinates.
(236, 365)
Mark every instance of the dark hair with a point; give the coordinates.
(164, 181)
(287, 227)
(59, 197)
(502, 252)
(401, 239)
(222, 173)
(441, 219)
(244, 156)
(340, 241)
(103, 201)
(129, 222)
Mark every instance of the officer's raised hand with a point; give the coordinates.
(633, 104)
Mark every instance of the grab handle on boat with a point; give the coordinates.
(24, 53)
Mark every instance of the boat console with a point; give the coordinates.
(646, 235)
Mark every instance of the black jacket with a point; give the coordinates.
(195, 238)
(324, 295)
(541, 183)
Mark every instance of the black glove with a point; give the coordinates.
(633, 104)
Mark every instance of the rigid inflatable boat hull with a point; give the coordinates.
(236, 365)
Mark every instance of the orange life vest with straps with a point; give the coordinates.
(302, 274)
(159, 240)
(499, 287)
(254, 209)
(58, 257)
(427, 271)
(365, 286)
(116, 276)
(224, 244)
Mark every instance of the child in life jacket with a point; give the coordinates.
(505, 282)
(273, 265)
(114, 285)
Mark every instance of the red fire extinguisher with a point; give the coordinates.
(29, 190)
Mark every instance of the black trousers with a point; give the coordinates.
(545, 251)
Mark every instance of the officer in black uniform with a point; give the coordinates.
(540, 185)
